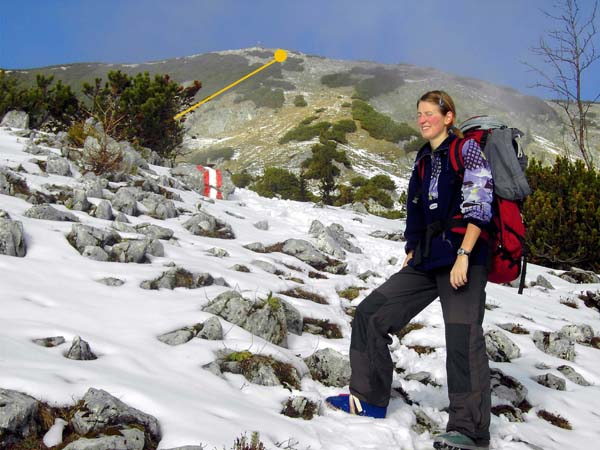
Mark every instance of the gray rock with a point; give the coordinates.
(264, 319)
(99, 409)
(129, 439)
(368, 274)
(155, 248)
(154, 231)
(58, 166)
(293, 319)
(189, 176)
(329, 367)
(122, 218)
(256, 247)
(581, 334)
(130, 251)
(212, 330)
(542, 366)
(551, 381)
(218, 252)
(12, 242)
(81, 236)
(4, 214)
(397, 236)
(159, 207)
(543, 282)
(266, 266)
(54, 341)
(580, 276)
(179, 277)
(124, 227)
(15, 119)
(94, 186)
(178, 337)
(95, 253)
(316, 228)
(499, 347)
(203, 224)
(125, 200)
(304, 251)
(422, 377)
(507, 387)
(240, 268)
(555, 344)
(262, 225)
(104, 210)
(80, 350)
(18, 416)
(213, 367)
(79, 201)
(357, 208)
(48, 212)
(572, 375)
(424, 423)
(110, 281)
(132, 159)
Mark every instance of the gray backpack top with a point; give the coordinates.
(502, 148)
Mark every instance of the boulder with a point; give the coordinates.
(80, 350)
(499, 347)
(15, 119)
(555, 344)
(12, 241)
(58, 165)
(329, 367)
(98, 410)
(507, 387)
(48, 212)
(204, 224)
(115, 438)
(572, 375)
(18, 416)
(265, 319)
(551, 381)
(125, 201)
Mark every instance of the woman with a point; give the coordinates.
(439, 263)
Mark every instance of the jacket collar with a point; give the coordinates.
(426, 149)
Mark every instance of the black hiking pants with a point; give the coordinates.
(391, 306)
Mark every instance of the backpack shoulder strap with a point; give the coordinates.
(456, 157)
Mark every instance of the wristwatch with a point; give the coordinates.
(462, 251)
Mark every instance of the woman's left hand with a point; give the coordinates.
(458, 274)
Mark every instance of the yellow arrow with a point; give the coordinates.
(279, 56)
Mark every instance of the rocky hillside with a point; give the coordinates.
(249, 120)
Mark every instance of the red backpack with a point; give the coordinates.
(506, 235)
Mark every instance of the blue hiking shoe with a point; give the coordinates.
(453, 440)
(352, 405)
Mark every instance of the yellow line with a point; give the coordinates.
(210, 97)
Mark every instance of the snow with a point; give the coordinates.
(54, 291)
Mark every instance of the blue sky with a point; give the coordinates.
(478, 38)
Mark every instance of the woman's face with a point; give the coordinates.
(432, 123)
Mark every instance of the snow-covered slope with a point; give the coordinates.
(54, 291)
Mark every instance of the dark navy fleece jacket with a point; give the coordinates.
(441, 195)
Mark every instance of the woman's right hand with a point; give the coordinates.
(407, 259)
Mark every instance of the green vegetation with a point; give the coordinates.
(282, 183)
(242, 179)
(45, 103)
(374, 188)
(382, 82)
(414, 145)
(338, 79)
(320, 166)
(305, 132)
(264, 96)
(563, 215)
(299, 101)
(379, 125)
(140, 109)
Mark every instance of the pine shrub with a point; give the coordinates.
(563, 215)
(277, 182)
(380, 126)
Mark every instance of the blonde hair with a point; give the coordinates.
(445, 103)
